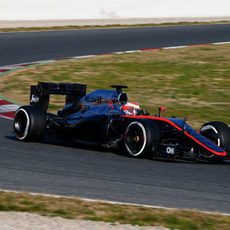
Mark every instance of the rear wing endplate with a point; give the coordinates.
(40, 94)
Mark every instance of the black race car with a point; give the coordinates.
(107, 118)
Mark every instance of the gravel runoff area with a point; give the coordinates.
(27, 221)
(91, 22)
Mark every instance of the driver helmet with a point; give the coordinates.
(130, 108)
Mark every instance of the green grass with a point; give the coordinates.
(75, 27)
(73, 208)
(191, 81)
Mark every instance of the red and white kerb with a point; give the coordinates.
(7, 109)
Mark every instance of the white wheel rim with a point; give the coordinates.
(144, 136)
(16, 125)
(210, 127)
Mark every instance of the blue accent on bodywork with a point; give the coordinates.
(96, 105)
(93, 112)
(99, 95)
(181, 123)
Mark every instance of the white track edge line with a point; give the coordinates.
(174, 47)
(221, 43)
(5, 117)
(8, 108)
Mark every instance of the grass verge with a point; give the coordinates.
(75, 27)
(191, 81)
(73, 208)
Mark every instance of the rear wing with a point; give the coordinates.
(40, 94)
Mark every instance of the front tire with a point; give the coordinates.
(218, 132)
(29, 124)
(141, 138)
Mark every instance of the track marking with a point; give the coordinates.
(5, 117)
(7, 109)
(174, 47)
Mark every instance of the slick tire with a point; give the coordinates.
(218, 132)
(141, 138)
(29, 124)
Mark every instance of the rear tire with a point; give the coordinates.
(141, 138)
(29, 124)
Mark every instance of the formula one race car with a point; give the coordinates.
(106, 118)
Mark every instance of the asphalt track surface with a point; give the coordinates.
(63, 169)
(25, 47)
